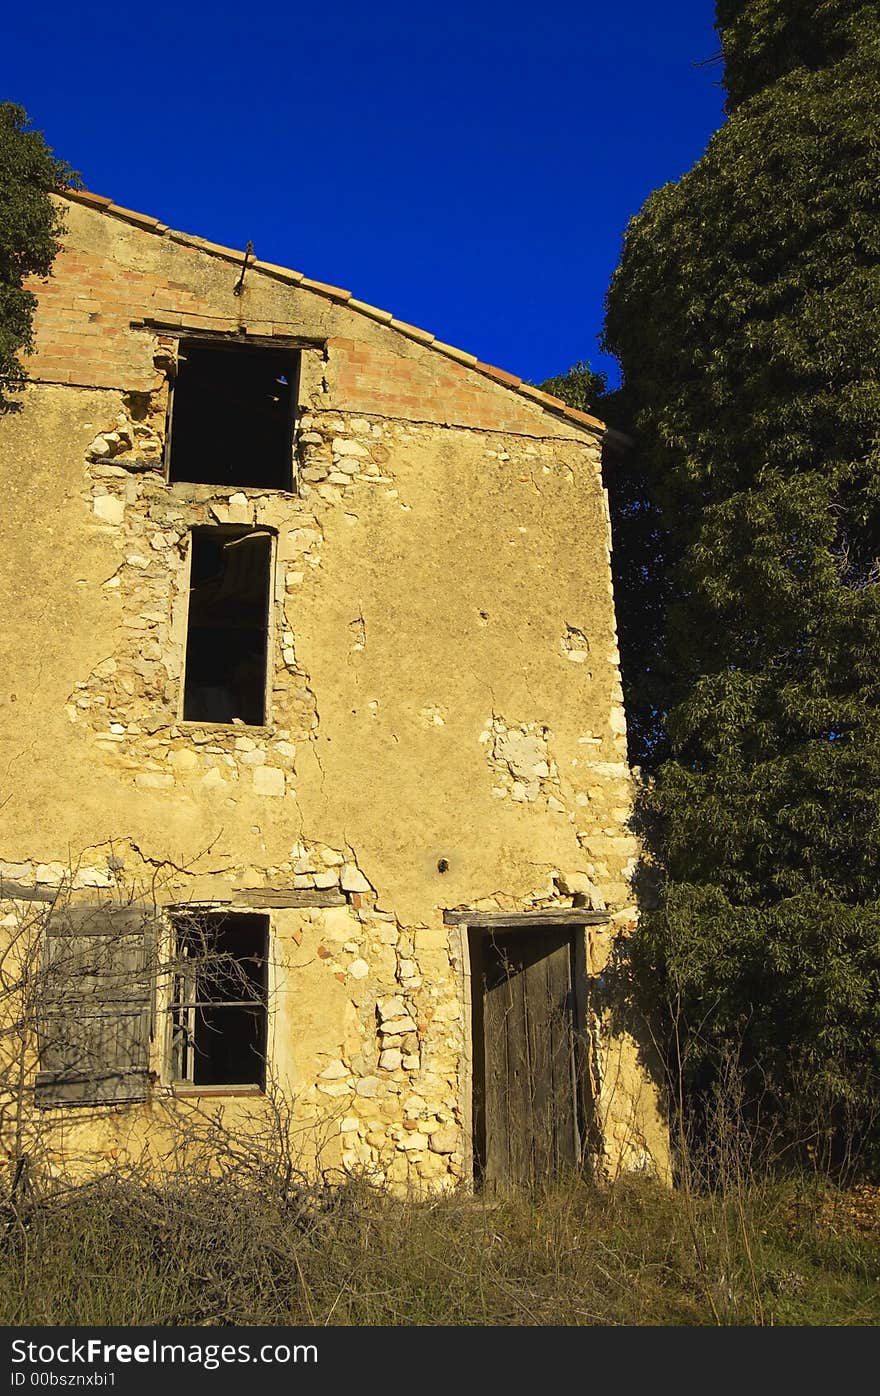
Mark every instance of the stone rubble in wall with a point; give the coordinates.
(134, 442)
(79, 877)
(336, 454)
(315, 866)
(519, 758)
(603, 804)
(395, 1086)
(575, 645)
(394, 1082)
(545, 452)
(392, 1086)
(130, 699)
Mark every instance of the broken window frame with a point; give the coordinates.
(232, 531)
(181, 1003)
(232, 343)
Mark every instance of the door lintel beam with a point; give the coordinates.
(551, 916)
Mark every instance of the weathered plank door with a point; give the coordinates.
(529, 1104)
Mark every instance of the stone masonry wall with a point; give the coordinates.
(445, 725)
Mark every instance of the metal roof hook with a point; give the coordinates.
(239, 285)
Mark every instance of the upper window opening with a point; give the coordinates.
(232, 416)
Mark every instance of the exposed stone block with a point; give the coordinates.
(353, 880)
(268, 780)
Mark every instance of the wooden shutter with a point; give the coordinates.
(95, 1010)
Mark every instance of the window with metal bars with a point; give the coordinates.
(219, 1007)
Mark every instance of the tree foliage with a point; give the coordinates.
(640, 579)
(762, 40)
(744, 314)
(30, 228)
(580, 386)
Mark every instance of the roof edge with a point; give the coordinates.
(544, 400)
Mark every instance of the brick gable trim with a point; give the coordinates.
(544, 400)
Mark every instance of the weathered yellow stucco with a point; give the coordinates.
(441, 602)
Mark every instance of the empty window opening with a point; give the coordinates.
(227, 637)
(219, 1009)
(232, 416)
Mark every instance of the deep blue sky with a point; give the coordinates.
(469, 167)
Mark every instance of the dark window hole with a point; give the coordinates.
(227, 627)
(232, 416)
(219, 1009)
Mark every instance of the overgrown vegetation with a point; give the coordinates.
(747, 541)
(30, 228)
(215, 1217)
(580, 386)
(125, 1253)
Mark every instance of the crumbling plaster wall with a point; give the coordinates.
(445, 687)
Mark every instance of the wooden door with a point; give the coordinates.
(526, 1092)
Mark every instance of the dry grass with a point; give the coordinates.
(122, 1252)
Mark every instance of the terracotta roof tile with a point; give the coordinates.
(335, 293)
(412, 331)
(373, 311)
(281, 273)
(177, 236)
(500, 374)
(579, 416)
(452, 353)
(233, 253)
(84, 196)
(538, 395)
(143, 220)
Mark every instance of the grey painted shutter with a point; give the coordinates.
(95, 1009)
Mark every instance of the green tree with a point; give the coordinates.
(744, 314)
(30, 228)
(580, 386)
(640, 579)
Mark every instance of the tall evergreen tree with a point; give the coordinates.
(30, 226)
(746, 317)
(641, 582)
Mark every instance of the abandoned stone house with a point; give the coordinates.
(311, 730)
